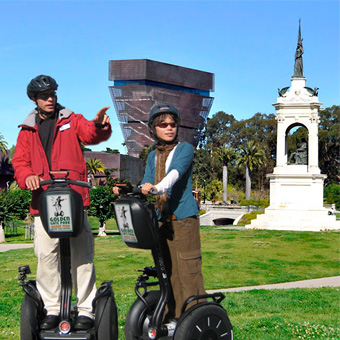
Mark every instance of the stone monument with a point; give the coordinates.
(296, 185)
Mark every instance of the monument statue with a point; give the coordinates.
(300, 155)
(298, 67)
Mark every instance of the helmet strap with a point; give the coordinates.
(41, 112)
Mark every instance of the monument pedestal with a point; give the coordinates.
(296, 203)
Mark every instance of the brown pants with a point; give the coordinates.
(181, 249)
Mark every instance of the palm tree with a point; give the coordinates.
(252, 157)
(3, 144)
(226, 155)
(95, 165)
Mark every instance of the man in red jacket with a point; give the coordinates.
(51, 138)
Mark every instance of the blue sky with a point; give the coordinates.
(248, 45)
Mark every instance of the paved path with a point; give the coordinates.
(314, 283)
(333, 281)
(10, 246)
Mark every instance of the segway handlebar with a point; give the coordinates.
(63, 181)
(125, 189)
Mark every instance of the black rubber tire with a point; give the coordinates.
(28, 319)
(108, 324)
(138, 313)
(209, 322)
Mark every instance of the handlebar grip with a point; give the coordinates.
(153, 192)
(138, 190)
(46, 182)
(123, 189)
(80, 183)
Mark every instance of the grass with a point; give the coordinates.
(231, 258)
(285, 314)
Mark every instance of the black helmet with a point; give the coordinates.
(160, 109)
(39, 84)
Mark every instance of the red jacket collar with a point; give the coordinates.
(30, 119)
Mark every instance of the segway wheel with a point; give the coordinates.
(28, 319)
(108, 323)
(208, 322)
(137, 319)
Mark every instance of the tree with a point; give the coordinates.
(214, 189)
(224, 130)
(95, 165)
(227, 155)
(332, 195)
(101, 206)
(109, 150)
(262, 130)
(251, 156)
(14, 204)
(110, 182)
(202, 168)
(329, 143)
(3, 144)
(218, 129)
(6, 167)
(11, 152)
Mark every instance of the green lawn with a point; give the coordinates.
(231, 258)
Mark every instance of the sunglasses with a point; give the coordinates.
(45, 96)
(165, 125)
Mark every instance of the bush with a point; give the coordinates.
(246, 218)
(258, 203)
(332, 195)
(14, 204)
(101, 204)
(235, 195)
(214, 190)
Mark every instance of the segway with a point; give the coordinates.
(61, 211)
(208, 320)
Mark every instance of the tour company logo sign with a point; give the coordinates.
(59, 212)
(124, 221)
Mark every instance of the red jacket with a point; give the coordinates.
(30, 158)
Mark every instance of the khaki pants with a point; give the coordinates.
(181, 249)
(48, 269)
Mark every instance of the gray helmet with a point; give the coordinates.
(39, 84)
(158, 110)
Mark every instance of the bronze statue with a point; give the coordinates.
(298, 67)
(300, 155)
